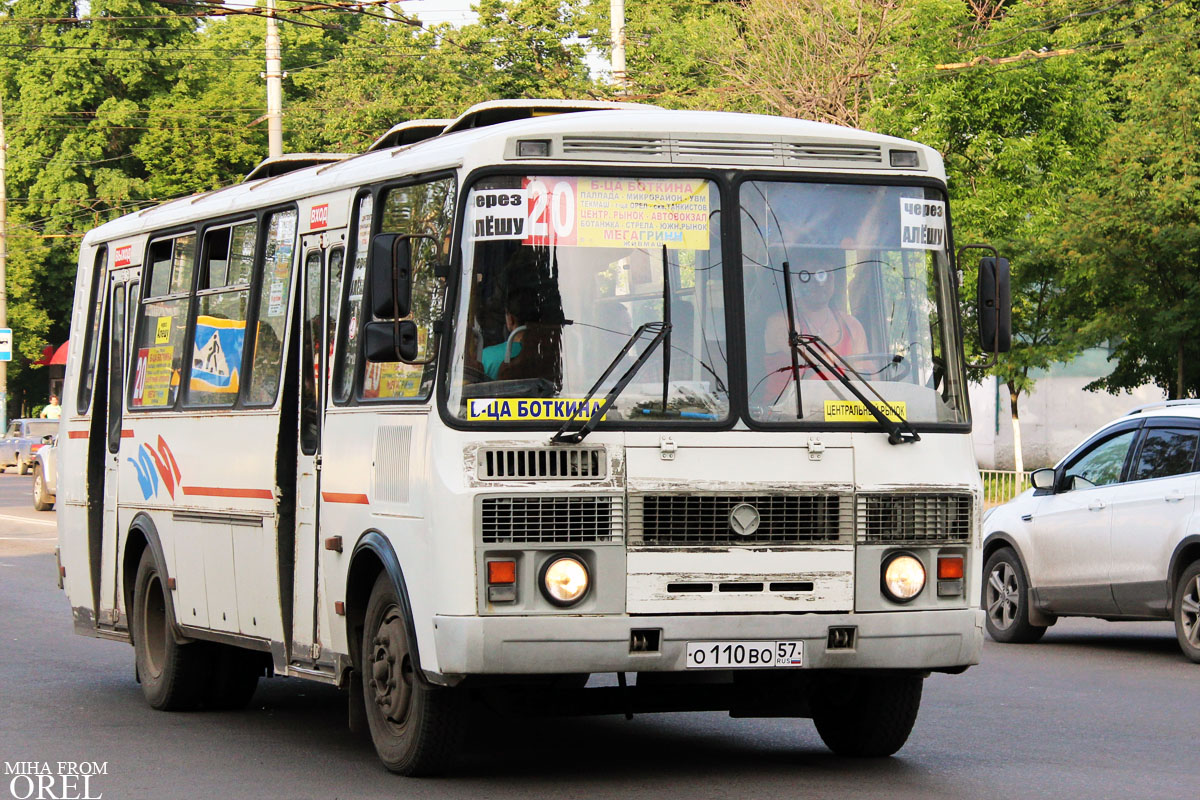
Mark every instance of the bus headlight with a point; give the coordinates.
(903, 577)
(564, 580)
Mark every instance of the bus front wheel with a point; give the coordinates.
(416, 728)
(173, 675)
(867, 715)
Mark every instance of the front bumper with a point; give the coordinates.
(923, 640)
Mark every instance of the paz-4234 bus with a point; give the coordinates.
(513, 401)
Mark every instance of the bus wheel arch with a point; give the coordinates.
(373, 555)
(143, 535)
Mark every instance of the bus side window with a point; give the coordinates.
(92, 333)
(223, 300)
(425, 208)
(162, 323)
(271, 322)
(333, 298)
(350, 324)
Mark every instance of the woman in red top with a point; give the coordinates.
(814, 316)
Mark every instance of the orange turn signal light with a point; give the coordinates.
(950, 568)
(502, 572)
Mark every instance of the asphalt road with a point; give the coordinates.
(1096, 710)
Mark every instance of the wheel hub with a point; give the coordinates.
(1003, 596)
(390, 668)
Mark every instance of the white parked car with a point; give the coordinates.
(1112, 531)
(45, 476)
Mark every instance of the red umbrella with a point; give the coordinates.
(47, 353)
(60, 355)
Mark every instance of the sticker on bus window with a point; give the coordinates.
(558, 409)
(392, 381)
(922, 224)
(854, 411)
(217, 356)
(152, 376)
(596, 212)
(162, 330)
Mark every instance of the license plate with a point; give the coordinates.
(733, 655)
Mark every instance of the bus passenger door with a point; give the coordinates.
(118, 339)
(305, 598)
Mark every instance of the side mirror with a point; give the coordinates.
(995, 305)
(1042, 478)
(389, 275)
(392, 341)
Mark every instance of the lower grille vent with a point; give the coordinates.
(559, 463)
(542, 519)
(670, 520)
(914, 517)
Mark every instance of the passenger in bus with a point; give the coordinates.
(815, 286)
(520, 310)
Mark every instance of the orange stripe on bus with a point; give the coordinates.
(126, 433)
(77, 434)
(217, 491)
(345, 497)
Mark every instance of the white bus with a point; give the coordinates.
(554, 390)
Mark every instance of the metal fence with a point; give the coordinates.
(1002, 485)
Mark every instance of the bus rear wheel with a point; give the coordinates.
(416, 728)
(867, 716)
(173, 675)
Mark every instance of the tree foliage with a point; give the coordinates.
(1070, 134)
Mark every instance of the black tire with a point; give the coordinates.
(233, 678)
(42, 500)
(1006, 600)
(866, 716)
(1187, 612)
(173, 675)
(416, 728)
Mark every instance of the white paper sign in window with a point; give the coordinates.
(498, 214)
(922, 224)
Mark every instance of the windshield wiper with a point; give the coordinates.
(660, 330)
(813, 347)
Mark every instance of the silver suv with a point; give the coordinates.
(1112, 531)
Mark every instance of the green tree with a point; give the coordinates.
(74, 92)
(674, 49)
(1135, 227)
(1017, 139)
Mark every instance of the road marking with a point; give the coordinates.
(47, 523)
(28, 538)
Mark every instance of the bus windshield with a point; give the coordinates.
(562, 272)
(870, 277)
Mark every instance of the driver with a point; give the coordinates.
(520, 308)
(814, 284)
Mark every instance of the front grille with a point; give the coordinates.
(533, 463)
(671, 520)
(914, 517)
(550, 519)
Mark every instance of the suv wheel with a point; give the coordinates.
(1006, 599)
(1187, 612)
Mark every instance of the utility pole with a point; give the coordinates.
(618, 45)
(274, 76)
(3, 266)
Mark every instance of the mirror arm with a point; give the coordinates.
(441, 272)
